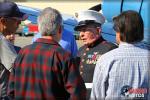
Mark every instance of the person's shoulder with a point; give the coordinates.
(144, 46)
(110, 55)
(25, 48)
(17, 48)
(63, 52)
(106, 60)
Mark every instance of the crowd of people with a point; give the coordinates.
(48, 69)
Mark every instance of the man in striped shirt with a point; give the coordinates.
(123, 73)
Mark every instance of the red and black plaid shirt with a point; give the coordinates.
(43, 70)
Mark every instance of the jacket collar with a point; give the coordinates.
(48, 41)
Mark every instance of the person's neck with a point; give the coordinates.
(48, 37)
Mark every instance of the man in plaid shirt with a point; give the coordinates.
(44, 70)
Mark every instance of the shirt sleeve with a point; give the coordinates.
(73, 81)
(99, 81)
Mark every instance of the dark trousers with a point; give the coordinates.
(88, 93)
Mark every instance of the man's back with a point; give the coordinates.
(45, 71)
(127, 66)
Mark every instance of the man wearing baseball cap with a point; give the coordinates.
(10, 18)
(89, 27)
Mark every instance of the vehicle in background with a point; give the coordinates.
(119, 6)
(111, 8)
(27, 28)
(31, 27)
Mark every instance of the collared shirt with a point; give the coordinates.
(7, 53)
(88, 57)
(68, 42)
(122, 73)
(45, 71)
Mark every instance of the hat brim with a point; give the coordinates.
(21, 16)
(85, 23)
(76, 28)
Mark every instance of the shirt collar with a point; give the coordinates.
(125, 44)
(1, 36)
(48, 41)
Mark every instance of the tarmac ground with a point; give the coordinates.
(26, 40)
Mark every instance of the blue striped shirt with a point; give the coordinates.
(120, 71)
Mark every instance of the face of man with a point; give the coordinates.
(12, 24)
(9, 25)
(89, 34)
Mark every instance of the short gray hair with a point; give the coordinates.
(48, 21)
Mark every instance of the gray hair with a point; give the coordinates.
(48, 21)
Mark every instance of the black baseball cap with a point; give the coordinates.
(10, 9)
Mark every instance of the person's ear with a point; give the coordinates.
(60, 29)
(2, 20)
(98, 29)
(3, 23)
